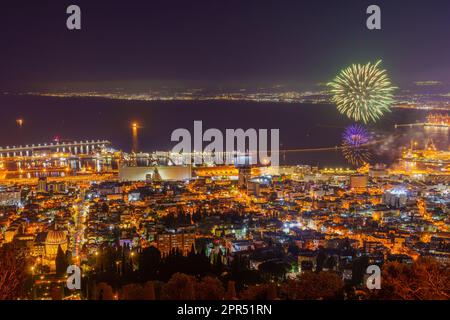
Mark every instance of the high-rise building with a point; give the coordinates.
(253, 188)
(172, 240)
(57, 187)
(395, 198)
(245, 173)
(42, 185)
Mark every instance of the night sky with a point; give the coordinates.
(217, 42)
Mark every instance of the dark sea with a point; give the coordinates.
(301, 125)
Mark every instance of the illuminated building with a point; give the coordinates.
(358, 183)
(57, 187)
(54, 239)
(240, 245)
(307, 260)
(396, 197)
(109, 188)
(10, 233)
(378, 171)
(9, 197)
(216, 171)
(428, 160)
(172, 240)
(42, 185)
(244, 175)
(147, 173)
(47, 244)
(253, 188)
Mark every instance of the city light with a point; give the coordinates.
(224, 159)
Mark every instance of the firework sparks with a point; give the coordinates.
(363, 92)
(354, 145)
(356, 136)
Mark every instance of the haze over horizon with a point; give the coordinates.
(204, 43)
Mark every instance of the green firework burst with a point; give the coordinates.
(363, 92)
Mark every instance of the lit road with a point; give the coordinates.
(80, 212)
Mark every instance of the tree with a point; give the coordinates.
(149, 261)
(314, 286)
(231, 291)
(274, 269)
(149, 291)
(321, 258)
(242, 274)
(12, 274)
(359, 269)
(132, 291)
(272, 291)
(293, 249)
(61, 262)
(156, 175)
(105, 207)
(56, 292)
(267, 291)
(330, 263)
(179, 287)
(218, 264)
(209, 288)
(425, 279)
(104, 292)
(69, 259)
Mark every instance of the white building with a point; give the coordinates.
(164, 173)
(10, 197)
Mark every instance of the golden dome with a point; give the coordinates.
(54, 240)
(56, 237)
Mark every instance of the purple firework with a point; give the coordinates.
(354, 145)
(355, 136)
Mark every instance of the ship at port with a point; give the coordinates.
(438, 120)
(433, 120)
